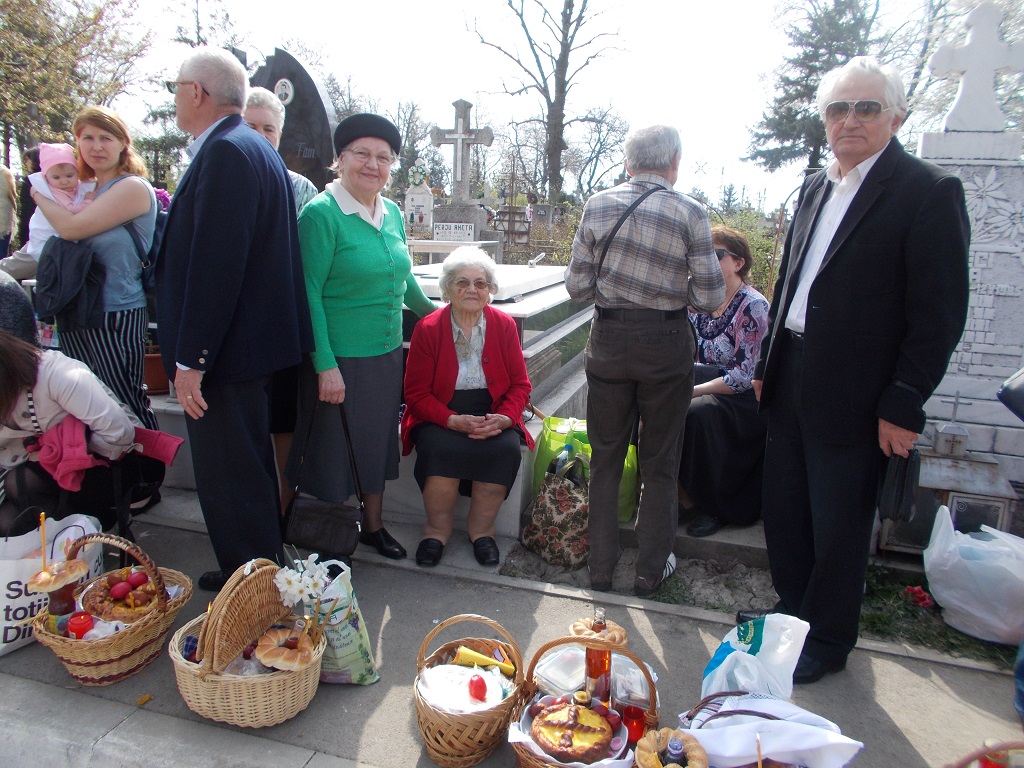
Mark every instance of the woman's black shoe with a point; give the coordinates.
(384, 542)
(429, 552)
(704, 525)
(486, 551)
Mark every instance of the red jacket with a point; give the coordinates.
(432, 368)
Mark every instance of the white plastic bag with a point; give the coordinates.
(21, 557)
(758, 657)
(978, 579)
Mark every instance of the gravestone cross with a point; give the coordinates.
(977, 61)
(462, 137)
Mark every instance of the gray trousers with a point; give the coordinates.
(636, 368)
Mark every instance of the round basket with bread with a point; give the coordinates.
(652, 745)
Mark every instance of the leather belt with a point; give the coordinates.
(639, 315)
(794, 336)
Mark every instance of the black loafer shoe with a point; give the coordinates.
(704, 525)
(213, 581)
(811, 670)
(485, 549)
(752, 614)
(428, 553)
(384, 543)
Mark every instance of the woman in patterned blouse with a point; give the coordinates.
(723, 440)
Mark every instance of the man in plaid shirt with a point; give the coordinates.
(642, 268)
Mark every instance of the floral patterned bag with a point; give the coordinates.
(558, 530)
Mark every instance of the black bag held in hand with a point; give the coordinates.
(1011, 394)
(328, 527)
(898, 499)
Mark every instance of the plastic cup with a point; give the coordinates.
(635, 720)
(79, 623)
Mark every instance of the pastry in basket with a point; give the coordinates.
(653, 743)
(273, 650)
(57, 575)
(572, 733)
(614, 633)
(121, 595)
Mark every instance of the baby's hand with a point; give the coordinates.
(89, 196)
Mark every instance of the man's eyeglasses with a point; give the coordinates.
(721, 253)
(865, 110)
(364, 157)
(480, 285)
(172, 85)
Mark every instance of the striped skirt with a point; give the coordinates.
(115, 352)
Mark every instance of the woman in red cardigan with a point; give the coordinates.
(465, 391)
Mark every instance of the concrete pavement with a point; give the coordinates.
(911, 709)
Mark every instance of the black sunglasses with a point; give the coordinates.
(721, 253)
(865, 110)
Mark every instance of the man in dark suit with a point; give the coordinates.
(231, 307)
(870, 302)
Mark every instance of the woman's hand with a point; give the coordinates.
(332, 386)
(479, 427)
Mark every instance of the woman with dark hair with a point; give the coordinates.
(724, 436)
(114, 351)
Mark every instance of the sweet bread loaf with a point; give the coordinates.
(572, 733)
(271, 650)
(614, 633)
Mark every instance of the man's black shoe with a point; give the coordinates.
(811, 670)
(751, 614)
(704, 525)
(213, 581)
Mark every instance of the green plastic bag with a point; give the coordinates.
(559, 432)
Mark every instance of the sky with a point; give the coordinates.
(704, 68)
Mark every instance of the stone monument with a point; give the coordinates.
(975, 145)
(461, 211)
(419, 202)
(307, 140)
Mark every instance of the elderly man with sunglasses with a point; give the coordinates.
(870, 302)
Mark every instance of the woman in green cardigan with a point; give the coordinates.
(358, 275)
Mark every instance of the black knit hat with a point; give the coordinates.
(16, 315)
(365, 124)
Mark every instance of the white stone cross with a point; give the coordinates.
(977, 61)
(462, 137)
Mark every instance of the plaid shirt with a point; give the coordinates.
(664, 243)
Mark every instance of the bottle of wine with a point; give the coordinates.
(599, 663)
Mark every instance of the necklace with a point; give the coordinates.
(728, 300)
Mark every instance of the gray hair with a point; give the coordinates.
(462, 257)
(894, 94)
(653, 148)
(220, 73)
(261, 98)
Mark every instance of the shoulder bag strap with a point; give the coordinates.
(621, 221)
(351, 453)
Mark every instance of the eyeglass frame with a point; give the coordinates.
(173, 85)
(359, 152)
(851, 106)
(466, 284)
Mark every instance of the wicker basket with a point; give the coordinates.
(246, 606)
(525, 758)
(459, 741)
(110, 659)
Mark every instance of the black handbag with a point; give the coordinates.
(329, 527)
(898, 499)
(1011, 394)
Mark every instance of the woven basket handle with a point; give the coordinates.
(472, 617)
(216, 609)
(601, 645)
(977, 754)
(132, 549)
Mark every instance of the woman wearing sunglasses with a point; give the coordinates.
(723, 440)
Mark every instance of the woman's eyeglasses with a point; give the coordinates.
(364, 157)
(480, 285)
(721, 253)
(865, 110)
